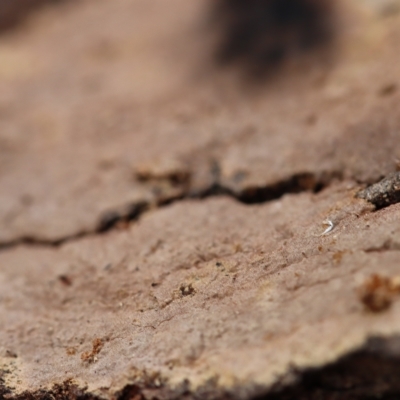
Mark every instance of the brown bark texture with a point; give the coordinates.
(200, 200)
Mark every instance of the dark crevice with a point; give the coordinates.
(370, 373)
(131, 392)
(32, 241)
(303, 182)
(296, 184)
(363, 375)
(111, 218)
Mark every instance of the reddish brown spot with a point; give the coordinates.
(90, 356)
(337, 257)
(65, 280)
(70, 351)
(377, 292)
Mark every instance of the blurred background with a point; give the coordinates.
(111, 107)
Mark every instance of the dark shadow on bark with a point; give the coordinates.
(364, 375)
(261, 34)
(12, 12)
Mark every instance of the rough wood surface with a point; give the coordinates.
(136, 90)
(171, 229)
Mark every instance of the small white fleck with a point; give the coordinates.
(330, 224)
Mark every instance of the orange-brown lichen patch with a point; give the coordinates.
(377, 292)
(70, 351)
(90, 356)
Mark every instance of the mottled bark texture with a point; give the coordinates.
(171, 229)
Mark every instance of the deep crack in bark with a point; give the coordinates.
(298, 183)
(382, 194)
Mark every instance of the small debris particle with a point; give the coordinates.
(238, 248)
(330, 225)
(11, 354)
(65, 280)
(70, 351)
(337, 257)
(108, 267)
(90, 356)
(187, 290)
(218, 264)
(377, 292)
(172, 171)
(155, 246)
(383, 193)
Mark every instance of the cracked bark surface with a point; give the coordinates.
(83, 115)
(184, 302)
(215, 275)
